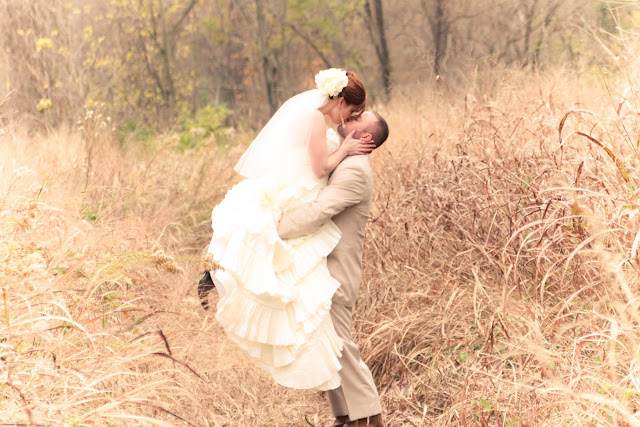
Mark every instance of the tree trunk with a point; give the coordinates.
(166, 53)
(528, 28)
(548, 19)
(440, 30)
(268, 69)
(379, 40)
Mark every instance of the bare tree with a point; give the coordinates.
(376, 29)
(163, 36)
(440, 29)
(269, 68)
(440, 26)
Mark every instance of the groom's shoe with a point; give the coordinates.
(205, 285)
(372, 421)
(341, 420)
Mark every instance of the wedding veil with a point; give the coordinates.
(280, 149)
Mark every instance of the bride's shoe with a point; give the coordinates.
(205, 285)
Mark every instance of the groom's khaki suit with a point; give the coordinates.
(347, 201)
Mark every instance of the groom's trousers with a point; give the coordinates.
(357, 396)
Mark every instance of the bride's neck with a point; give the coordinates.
(329, 105)
(329, 123)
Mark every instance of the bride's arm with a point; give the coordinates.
(322, 163)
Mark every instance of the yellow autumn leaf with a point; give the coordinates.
(43, 104)
(44, 43)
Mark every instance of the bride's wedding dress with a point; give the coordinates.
(277, 294)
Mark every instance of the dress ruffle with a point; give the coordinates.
(278, 293)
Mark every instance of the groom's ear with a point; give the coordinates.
(366, 136)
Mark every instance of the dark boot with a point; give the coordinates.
(372, 421)
(341, 420)
(205, 285)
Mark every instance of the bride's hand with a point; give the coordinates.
(355, 146)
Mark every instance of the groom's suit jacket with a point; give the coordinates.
(347, 200)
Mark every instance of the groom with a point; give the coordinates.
(347, 201)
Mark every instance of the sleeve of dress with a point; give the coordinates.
(346, 187)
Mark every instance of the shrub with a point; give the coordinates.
(203, 127)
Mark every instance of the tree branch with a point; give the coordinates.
(185, 13)
(310, 42)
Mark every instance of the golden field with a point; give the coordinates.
(500, 276)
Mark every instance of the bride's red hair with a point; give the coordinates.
(354, 93)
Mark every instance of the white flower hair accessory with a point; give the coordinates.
(331, 81)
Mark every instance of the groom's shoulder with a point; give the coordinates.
(357, 162)
(358, 166)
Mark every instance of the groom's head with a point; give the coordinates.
(368, 126)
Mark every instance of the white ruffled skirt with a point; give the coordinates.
(277, 294)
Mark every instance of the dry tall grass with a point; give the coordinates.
(502, 284)
(500, 288)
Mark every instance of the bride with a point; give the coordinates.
(276, 294)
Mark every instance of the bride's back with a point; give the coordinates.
(280, 149)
